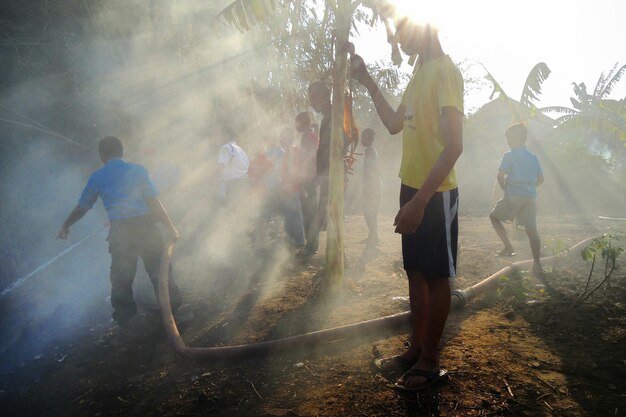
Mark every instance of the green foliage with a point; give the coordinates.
(605, 246)
(557, 248)
(595, 119)
(534, 82)
(516, 288)
(242, 14)
(532, 89)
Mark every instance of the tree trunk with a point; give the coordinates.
(334, 234)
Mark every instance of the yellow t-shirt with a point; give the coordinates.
(435, 84)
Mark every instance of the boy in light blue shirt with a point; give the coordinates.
(519, 175)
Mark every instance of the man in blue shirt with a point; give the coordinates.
(130, 199)
(519, 175)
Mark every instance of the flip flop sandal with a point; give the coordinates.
(432, 377)
(393, 364)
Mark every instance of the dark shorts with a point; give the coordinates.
(432, 250)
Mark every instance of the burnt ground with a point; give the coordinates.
(522, 350)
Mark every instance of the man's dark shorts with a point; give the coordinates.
(432, 250)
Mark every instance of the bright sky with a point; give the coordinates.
(577, 39)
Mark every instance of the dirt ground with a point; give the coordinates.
(519, 351)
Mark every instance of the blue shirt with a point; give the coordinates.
(123, 188)
(522, 170)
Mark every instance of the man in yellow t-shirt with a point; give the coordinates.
(430, 117)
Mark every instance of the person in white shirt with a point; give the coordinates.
(233, 165)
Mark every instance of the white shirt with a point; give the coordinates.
(234, 160)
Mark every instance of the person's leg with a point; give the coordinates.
(150, 251)
(528, 218)
(369, 221)
(292, 214)
(429, 328)
(370, 214)
(312, 244)
(152, 265)
(438, 238)
(501, 232)
(123, 268)
(418, 288)
(419, 301)
(323, 206)
(535, 246)
(308, 203)
(374, 220)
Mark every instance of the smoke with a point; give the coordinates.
(578, 182)
(172, 83)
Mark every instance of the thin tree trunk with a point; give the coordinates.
(334, 236)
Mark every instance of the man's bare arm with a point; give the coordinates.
(539, 180)
(76, 214)
(392, 119)
(159, 211)
(501, 179)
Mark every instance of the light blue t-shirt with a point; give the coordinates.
(123, 188)
(522, 169)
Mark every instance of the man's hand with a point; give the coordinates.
(358, 70)
(409, 218)
(63, 233)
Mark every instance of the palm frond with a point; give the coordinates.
(581, 92)
(559, 109)
(534, 81)
(396, 57)
(595, 123)
(614, 79)
(496, 86)
(559, 121)
(243, 14)
(597, 91)
(575, 103)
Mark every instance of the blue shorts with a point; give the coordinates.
(432, 249)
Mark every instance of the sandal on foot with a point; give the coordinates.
(506, 252)
(393, 364)
(432, 377)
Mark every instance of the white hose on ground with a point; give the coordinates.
(19, 282)
(377, 327)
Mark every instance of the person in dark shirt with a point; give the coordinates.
(319, 96)
(133, 208)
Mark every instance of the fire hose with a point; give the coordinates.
(387, 325)
(20, 281)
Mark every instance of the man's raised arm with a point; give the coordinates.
(392, 119)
